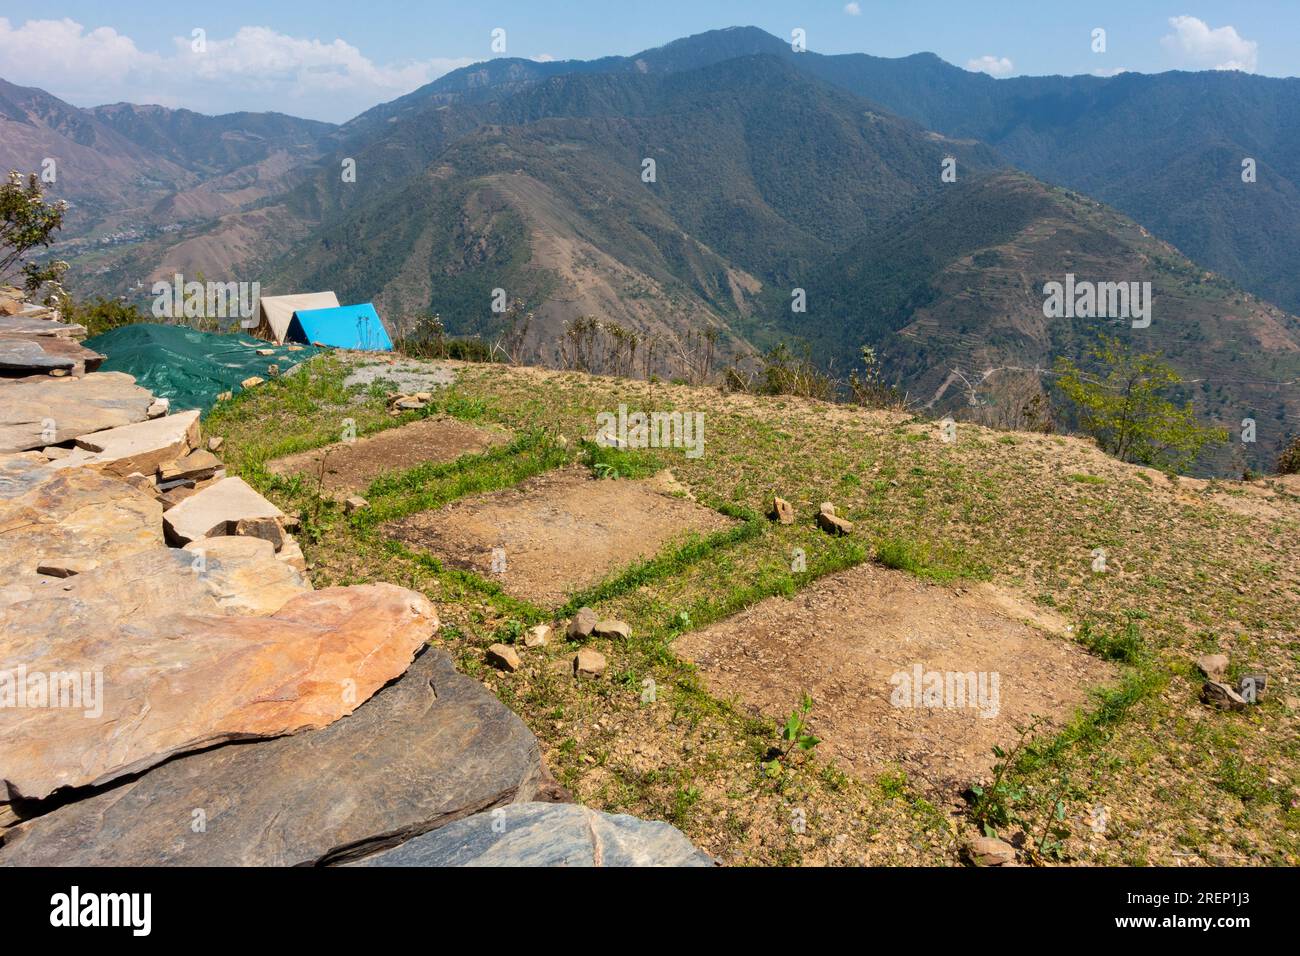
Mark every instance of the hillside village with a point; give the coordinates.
(837, 635)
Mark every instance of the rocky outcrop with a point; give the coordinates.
(191, 680)
(425, 751)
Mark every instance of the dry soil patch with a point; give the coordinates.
(560, 532)
(844, 638)
(350, 467)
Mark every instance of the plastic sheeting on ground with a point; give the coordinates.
(188, 367)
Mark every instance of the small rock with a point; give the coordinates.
(832, 523)
(1252, 685)
(268, 529)
(583, 623)
(215, 443)
(159, 408)
(1222, 696)
(224, 396)
(58, 372)
(990, 851)
(251, 381)
(612, 628)
(503, 657)
(826, 508)
(589, 662)
(266, 351)
(1213, 666)
(410, 405)
(782, 511)
(66, 567)
(55, 452)
(424, 396)
(354, 504)
(537, 636)
(196, 465)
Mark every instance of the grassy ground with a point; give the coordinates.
(1173, 781)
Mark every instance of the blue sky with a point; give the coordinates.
(330, 60)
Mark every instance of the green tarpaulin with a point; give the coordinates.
(190, 368)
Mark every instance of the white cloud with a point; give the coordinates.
(852, 9)
(1194, 44)
(1110, 71)
(255, 69)
(992, 65)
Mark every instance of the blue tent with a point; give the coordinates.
(346, 327)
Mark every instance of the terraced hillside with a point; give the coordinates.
(991, 540)
(952, 294)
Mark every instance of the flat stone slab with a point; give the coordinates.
(427, 750)
(32, 323)
(21, 354)
(902, 673)
(140, 447)
(245, 579)
(558, 532)
(545, 834)
(191, 680)
(52, 411)
(350, 467)
(245, 574)
(215, 510)
(47, 514)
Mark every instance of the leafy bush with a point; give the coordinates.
(101, 315)
(1288, 463)
(1123, 407)
(27, 222)
(785, 373)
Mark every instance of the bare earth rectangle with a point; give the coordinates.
(350, 467)
(559, 532)
(845, 636)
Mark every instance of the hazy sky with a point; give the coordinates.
(331, 60)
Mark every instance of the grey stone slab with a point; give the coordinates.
(546, 834)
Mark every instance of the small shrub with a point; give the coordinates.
(1288, 463)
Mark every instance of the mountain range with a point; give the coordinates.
(775, 175)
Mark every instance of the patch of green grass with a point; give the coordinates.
(433, 485)
(1124, 646)
(930, 564)
(1086, 479)
(618, 462)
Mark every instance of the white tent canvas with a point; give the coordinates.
(274, 312)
